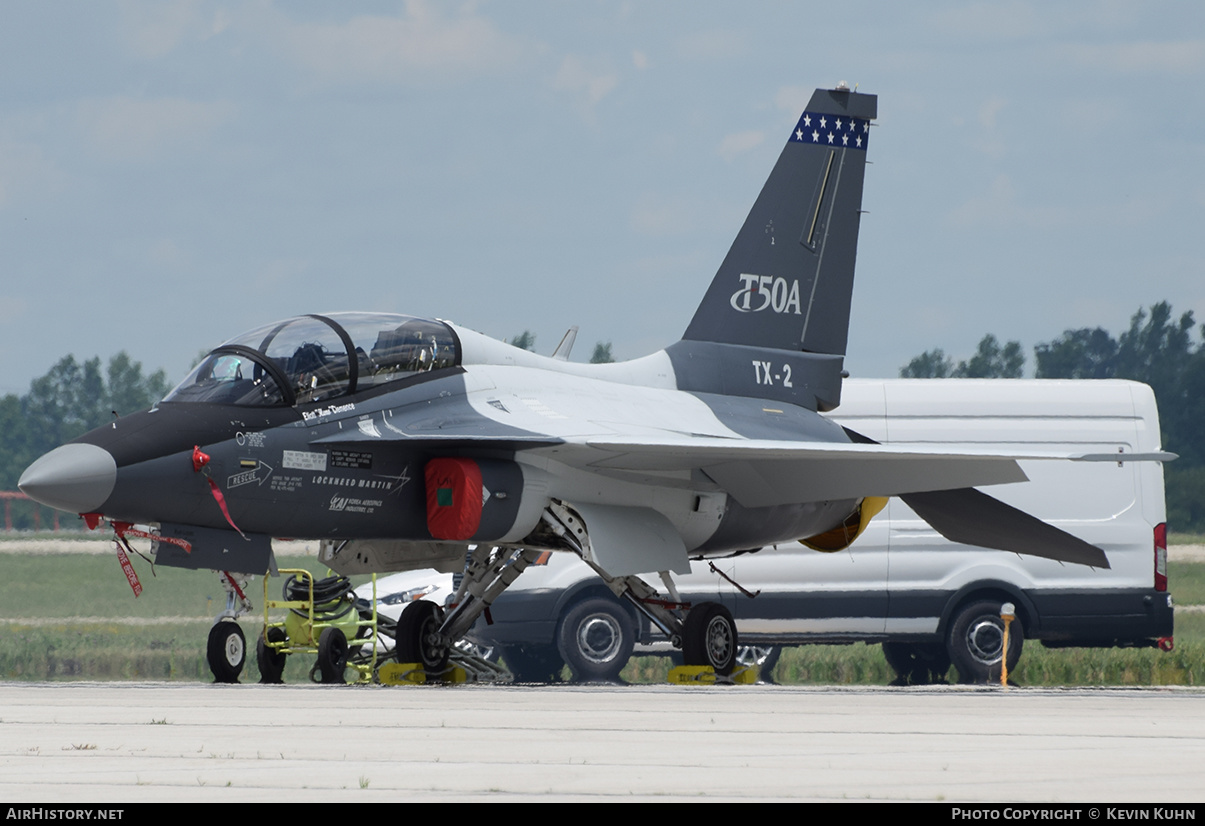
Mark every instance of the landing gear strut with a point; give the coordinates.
(426, 635)
(226, 650)
(706, 632)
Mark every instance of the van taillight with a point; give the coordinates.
(1161, 556)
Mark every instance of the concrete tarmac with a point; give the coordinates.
(137, 742)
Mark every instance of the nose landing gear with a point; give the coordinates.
(226, 649)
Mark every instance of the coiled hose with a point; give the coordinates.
(333, 598)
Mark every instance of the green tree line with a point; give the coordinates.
(1160, 348)
(71, 399)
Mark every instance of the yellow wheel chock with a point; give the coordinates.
(705, 675)
(415, 674)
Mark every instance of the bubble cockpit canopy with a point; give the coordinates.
(314, 358)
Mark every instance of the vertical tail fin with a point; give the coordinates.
(775, 320)
(787, 280)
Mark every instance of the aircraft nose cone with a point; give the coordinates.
(75, 477)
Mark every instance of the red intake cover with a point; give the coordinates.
(453, 498)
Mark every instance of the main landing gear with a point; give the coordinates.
(418, 639)
(709, 638)
(706, 632)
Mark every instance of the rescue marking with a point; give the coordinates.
(259, 474)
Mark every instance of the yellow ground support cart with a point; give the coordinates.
(323, 618)
(348, 635)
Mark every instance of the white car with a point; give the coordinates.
(396, 591)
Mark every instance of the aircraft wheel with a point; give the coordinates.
(271, 662)
(418, 636)
(976, 642)
(709, 637)
(596, 639)
(332, 655)
(533, 663)
(226, 651)
(917, 663)
(765, 657)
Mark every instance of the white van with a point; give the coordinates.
(930, 601)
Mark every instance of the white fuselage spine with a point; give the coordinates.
(575, 402)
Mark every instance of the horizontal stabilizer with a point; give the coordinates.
(974, 518)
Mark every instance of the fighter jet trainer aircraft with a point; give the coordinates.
(406, 442)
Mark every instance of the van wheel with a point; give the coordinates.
(917, 663)
(976, 642)
(596, 639)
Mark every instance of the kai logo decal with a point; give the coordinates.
(347, 504)
(766, 292)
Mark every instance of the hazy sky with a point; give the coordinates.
(173, 173)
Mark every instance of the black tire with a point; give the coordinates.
(226, 651)
(533, 663)
(595, 639)
(709, 637)
(332, 655)
(765, 657)
(417, 641)
(976, 638)
(271, 662)
(917, 663)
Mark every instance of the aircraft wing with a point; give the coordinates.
(755, 472)
(938, 483)
(759, 473)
